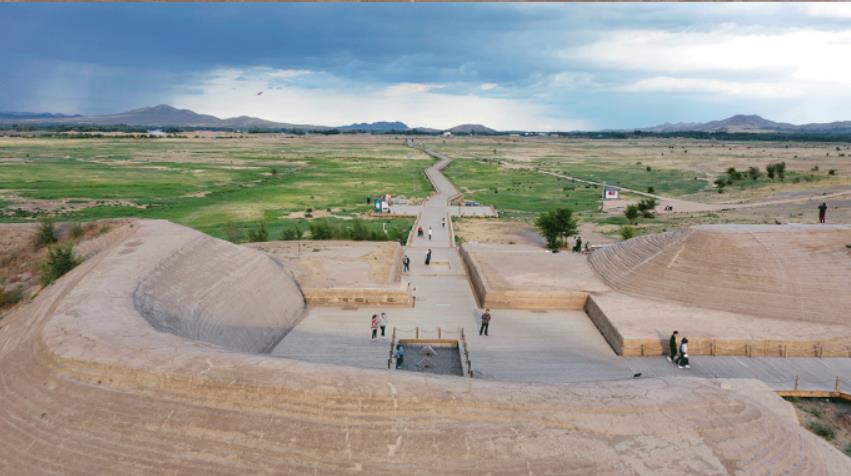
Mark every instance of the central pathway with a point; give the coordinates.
(542, 346)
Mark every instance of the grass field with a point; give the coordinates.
(207, 184)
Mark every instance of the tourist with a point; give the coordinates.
(822, 211)
(682, 362)
(443, 222)
(428, 257)
(429, 233)
(577, 247)
(486, 322)
(400, 355)
(672, 345)
(419, 232)
(406, 264)
(382, 322)
(374, 326)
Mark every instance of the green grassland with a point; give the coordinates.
(520, 193)
(207, 184)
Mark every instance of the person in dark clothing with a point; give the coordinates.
(428, 257)
(822, 211)
(672, 344)
(419, 232)
(406, 264)
(486, 322)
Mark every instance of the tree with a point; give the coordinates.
(627, 232)
(631, 213)
(260, 234)
(556, 225)
(646, 207)
(753, 173)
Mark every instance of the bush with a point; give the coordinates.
(831, 172)
(233, 233)
(754, 173)
(77, 230)
(293, 233)
(821, 429)
(359, 231)
(631, 213)
(60, 260)
(627, 232)
(777, 169)
(321, 230)
(260, 234)
(46, 234)
(651, 190)
(646, 207)
(7, 298)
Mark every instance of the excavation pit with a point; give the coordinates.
(445, 359)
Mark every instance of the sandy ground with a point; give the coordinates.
(329, 264)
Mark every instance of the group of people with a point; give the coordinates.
(379, 322)
(420, 231)
(679, 357)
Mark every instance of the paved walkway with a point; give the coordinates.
(543, 346)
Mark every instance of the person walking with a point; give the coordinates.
(486, 322)
(419, 232)
(400, 355)
(682, 362)
(374, 326)
(428, 257)
(382, 322)
(443, 222)
(429, 233)
(406, 264)
(672, 346)
(822, 211)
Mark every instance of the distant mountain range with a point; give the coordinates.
(750, 123)
(167, 116)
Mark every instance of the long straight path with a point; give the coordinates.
(530, 346)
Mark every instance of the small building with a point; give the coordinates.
(611, 193)
(447, 133)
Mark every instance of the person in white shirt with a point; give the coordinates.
(682, 362)
(382, 322)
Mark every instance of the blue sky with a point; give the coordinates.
(510, 66)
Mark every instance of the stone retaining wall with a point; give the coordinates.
(335, 297)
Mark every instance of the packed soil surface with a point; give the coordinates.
(829, 418)
(334, 264)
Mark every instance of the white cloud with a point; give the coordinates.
(735, 61)
(232, 92)
(718, 86)
(833, 10)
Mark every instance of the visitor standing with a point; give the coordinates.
(672, 346)
(486, 322)
(406, 264)
(374, 326)
(428, 257)
(682, 362)
(382, 322)
(400, 355)
(443, 222)
(419, 232)
(429, 233)
(822, 211)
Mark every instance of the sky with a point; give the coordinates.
(508, 66)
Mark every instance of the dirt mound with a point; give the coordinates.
(788, 272)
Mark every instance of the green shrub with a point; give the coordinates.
(555, 225)
(46, 234)
(321, 230)
(233, 233)
(631, 213)
(646, 207)
(259, 234)
(831, 172)
(359, 231)
(821, 429)
(651, 190)
(627, 232)
(60, 260)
